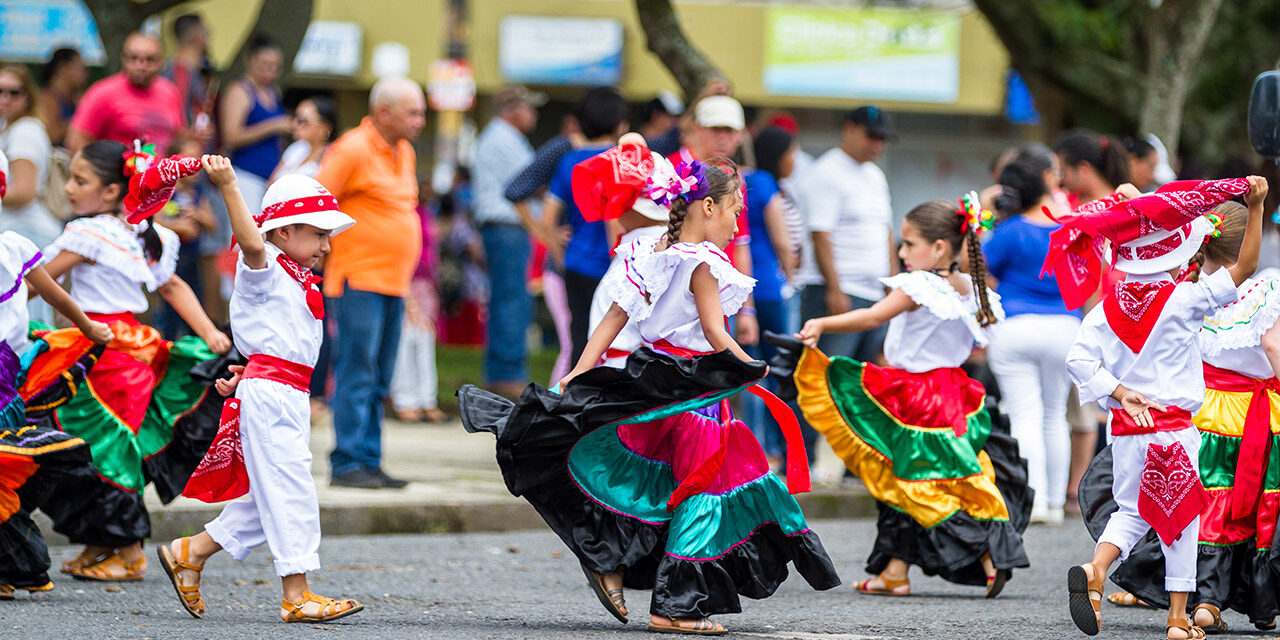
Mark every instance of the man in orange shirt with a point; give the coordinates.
(371, 170)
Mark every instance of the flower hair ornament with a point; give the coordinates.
(1216, 220)
(689, 183)
(138, 157)
(972, 215)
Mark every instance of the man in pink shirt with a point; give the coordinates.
(135, 103)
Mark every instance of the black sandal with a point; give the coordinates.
(611, 598)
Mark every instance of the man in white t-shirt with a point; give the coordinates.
(846, 205)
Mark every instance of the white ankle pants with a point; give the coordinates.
(1028, 355)
(282, 509)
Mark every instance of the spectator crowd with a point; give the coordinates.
(478, 263)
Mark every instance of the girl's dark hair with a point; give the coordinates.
(600, 111)
(722, 179)
(257, 44)
(1105, 154)
(1022, 182)
(1224, 250)
(939, 220)
(328, 112)
(1138, 147)
(770, 145)
(57, 59)
(106, 158)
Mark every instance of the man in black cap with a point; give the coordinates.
(846, 204)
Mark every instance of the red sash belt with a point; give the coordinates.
(1172, 419)
(1252, 461)
(611, 353)
(797, 458)
(266, 367)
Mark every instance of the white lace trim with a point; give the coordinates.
(657, 270)
(18, 256)
(108, 242)
(624, 285)
(934, 293)
(1240, 325)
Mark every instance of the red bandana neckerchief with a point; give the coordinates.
(308, 280)
(1132, 309)
(1170, 495)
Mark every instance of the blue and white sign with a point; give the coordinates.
(552, 50)
(32, 29)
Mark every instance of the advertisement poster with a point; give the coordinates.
(567, 51)
(873, 54)
(31, 30)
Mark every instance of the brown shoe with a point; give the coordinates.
(113, 569)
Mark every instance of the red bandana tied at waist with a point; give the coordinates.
(1132, 309)
(1251, 462)
(1170, 496)
(309, 282)
(221, 475)
(797, 458)
(1171, 419)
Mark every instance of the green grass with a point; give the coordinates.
(456, 366)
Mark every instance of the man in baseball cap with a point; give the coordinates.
(875, 122)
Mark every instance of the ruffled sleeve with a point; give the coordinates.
(933, 292)
(658, 272)
(624, 285)
(167, 265)
(107, 242)
(1241, 324)
(18, 256)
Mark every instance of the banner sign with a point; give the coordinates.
(567, 51)
(451, 85)
(873, 54)
(330, 48)
(30, 30)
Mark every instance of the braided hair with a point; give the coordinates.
(106, 157)
(939, 220)
(722, 179)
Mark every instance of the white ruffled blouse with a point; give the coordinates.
(653, 289)
(940, 333)
(18, 256)
(117, 270)
(1232, 337)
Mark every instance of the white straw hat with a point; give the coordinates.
(297, 199)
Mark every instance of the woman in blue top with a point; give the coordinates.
(1029, 349)
(253, 120)
(772, 259)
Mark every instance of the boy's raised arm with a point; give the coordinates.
(243, 227)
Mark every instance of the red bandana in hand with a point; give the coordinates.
(151, 189)
(221, 475)
(1132, 309)
(1170, 495)
(607, 185)
(308, 280)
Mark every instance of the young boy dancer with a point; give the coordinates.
(1136, 354)
(275, 318)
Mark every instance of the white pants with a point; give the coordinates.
(1028, 355)
(413, 384)
(282, 509)
(1126, 527)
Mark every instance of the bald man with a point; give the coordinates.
(135, 103)
(371, 170)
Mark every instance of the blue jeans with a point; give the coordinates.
(366, 337)
(506, 248)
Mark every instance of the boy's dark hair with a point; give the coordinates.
(600, 111)
(185, 25)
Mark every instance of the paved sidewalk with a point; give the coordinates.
(455, 487)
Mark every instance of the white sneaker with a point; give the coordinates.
(1046, 515)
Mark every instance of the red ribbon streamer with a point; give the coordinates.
(1251, 462)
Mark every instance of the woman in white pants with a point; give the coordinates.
(1029, 349)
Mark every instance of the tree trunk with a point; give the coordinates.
(1175, 38)
(666, 39)
(286, 22)
(116, 19)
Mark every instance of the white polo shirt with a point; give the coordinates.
(850, 201)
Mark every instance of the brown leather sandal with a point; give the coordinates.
(1193, 632)
(330, 609)
(188, 595)
(1126, 599)
(890, 587)
(702, 627)
(7, 590)
(1084, 599)
(612, 599)
(113, 569)
(996, 582)
(1217, 626)
(82, 562)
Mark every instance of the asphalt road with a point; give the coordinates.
(525, 585)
